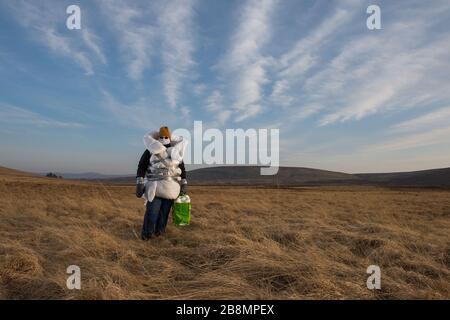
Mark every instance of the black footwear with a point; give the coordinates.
(145, 238)
(159, 233)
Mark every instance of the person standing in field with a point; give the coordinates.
(160, 179)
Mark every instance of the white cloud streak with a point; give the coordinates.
(376, 73)
(214, 102)
(42, 20)
(136, 39)
(158, 30)
(305, 54)
(428, 121)
(63, 46)
(175, 23)
(383, 83)
(92, 42)
(142, 113)
(244, 62)
(422, 139)
(13, 115)
(215, 105)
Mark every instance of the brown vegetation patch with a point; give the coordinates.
(248, 243)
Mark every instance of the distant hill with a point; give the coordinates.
(87, 175)
(297, 176)
(431, 178)
(249, 175)
(12, 172)
(287, 176)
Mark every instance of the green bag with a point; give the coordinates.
(181, 210)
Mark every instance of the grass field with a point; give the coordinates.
(243, 243)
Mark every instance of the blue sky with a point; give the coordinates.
(344, 97)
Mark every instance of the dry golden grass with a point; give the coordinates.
(306, 243)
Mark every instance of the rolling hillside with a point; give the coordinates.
(286, 176)
(242, 243)
(12, 172)
(434, 177)
(296, 176)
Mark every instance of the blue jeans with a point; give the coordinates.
(156, 216)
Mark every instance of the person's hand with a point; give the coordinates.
(183, 187)
(140, 187)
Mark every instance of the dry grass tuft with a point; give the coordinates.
(305, 243)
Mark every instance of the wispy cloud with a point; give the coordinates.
(390, 78)
(422, 139)
(161, 31)
(136, 39)
(305, 54)
(63, 46)
(431, 120)
(429, 129)
(142, 113)
(214, 103)
(244, 62)
(92, 42)
(13, 115)
(133, 115)
(176, 24)
(312, 68)
(43, 19)
(350, 76)
(375, 73)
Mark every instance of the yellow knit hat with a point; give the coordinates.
(164, 132)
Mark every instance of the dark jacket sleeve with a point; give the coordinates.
(143, 164)
(183, 170)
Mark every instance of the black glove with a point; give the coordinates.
(140, 187)
(183, 187)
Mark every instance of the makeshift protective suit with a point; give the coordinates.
(163, 172)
